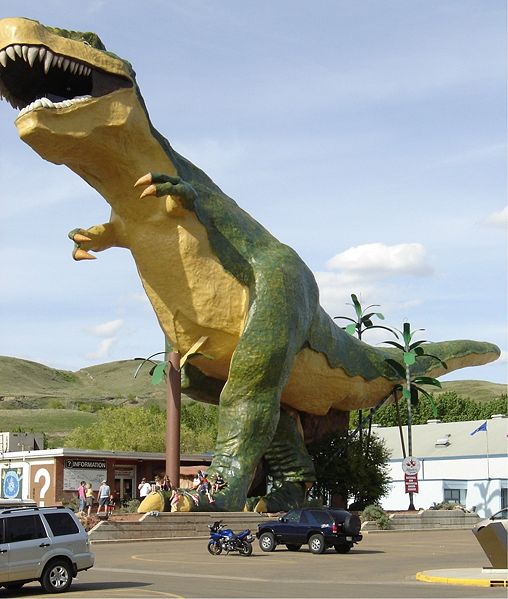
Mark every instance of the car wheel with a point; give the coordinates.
(293, 547)
(267, 541)
(57, 576)
(317, 544)
(14, 586)
(343, 547)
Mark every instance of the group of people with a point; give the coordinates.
(201, 484)
(86, 498)
(161, 483)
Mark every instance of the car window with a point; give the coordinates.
(292, 516)
(61, 523)
(502, 515)
(321, 517)
(24, 528)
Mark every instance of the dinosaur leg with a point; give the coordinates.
(290, 467)
(249, 407)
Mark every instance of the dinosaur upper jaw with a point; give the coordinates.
(45, 72)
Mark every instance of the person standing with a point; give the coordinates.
(82, 497)
(103, 496)
(89, 498)
(144, 488)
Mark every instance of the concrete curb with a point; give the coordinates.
(474, 577)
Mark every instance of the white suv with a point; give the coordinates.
(47, 544)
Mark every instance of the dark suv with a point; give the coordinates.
(320, 528)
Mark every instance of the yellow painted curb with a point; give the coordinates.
(473, 582)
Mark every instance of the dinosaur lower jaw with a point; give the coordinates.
(74, 131)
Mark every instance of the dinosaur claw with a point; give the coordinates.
(80, 254)
(144, 180)
(151, 190)
(79, 238)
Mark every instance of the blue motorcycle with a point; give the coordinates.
(224, 539)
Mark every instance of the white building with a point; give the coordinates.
(455, 466)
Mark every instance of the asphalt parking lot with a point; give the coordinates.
(382, 565)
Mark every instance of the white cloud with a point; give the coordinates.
(498, 219)
(378, 260)
(103, 349)
(107, 329)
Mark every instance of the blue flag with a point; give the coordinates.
(482, 427)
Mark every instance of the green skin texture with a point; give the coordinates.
(284, 317)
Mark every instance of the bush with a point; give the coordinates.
(56, 404)
(376, 514)
(130, 508)
(445, 505)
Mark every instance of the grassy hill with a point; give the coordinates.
(25, 384)
(34, 397)
(475, 390)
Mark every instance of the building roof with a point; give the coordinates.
(449, 439)
(200, 458)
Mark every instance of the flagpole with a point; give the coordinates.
(487, 440)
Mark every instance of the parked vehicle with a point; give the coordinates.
(502, 516)
(319, 528)
(224, 539)
(46, 544)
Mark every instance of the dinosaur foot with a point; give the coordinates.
(287, 496)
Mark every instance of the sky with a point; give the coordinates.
(368, 135)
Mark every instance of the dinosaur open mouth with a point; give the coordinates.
(34, 77)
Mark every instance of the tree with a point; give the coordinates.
(363, 322)
(144, 429)
(358, 473)
(450, 408)
(411, 351)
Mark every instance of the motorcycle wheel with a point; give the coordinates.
(245, 549)
(214, 548)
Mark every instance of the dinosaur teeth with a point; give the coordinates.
(35, 56)
(45, 103)
(51, 60)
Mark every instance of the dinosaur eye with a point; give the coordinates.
(86, 43)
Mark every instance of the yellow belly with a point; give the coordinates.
(190, 291)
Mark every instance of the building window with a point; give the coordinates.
(455, 491)
(504, 497)
(455, 496)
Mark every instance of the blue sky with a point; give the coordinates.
(368, 135)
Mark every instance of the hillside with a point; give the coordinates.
(32, 385)
(25, 384)
(34, 397)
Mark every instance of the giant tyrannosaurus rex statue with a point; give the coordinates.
(208, 268)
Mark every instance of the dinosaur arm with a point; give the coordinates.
(181, 195)
(96, 239)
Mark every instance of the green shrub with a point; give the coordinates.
(56, 404)
(130, 508)
(376, 514)
(444, 505)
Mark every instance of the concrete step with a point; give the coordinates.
(428, 520)
(172, 525)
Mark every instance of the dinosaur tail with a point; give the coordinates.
(451, 355)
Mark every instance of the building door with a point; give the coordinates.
(124, 483)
